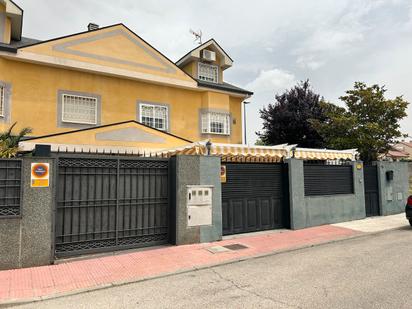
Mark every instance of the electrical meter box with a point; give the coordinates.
(199, 205)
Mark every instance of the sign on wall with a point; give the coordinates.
(40, 175)
(223, 174)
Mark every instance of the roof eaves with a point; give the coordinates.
(110, 26)
(71, 35)
(225, 87)
(8, 49)
(105, 126)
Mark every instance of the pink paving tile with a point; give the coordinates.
(75, 275)
(42, 277)
(22, 294)
(4, 294)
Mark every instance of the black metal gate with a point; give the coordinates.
(254, 197)
(370, 175)
(108, 204)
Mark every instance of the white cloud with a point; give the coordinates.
(309, 62)
(271, 81)
(333, 43)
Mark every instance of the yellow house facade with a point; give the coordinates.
(111, 75)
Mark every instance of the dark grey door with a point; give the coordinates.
(108, 204)
(371, 190)
(254, 198)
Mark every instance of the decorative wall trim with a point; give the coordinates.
(65, 48)
(129, 135)
(76, 65)
(2, 26)
(7, 102)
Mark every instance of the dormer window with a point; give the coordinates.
(208, 72)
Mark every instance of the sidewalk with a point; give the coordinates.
(376, 224)
(81, 275)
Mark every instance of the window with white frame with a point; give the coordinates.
(216, 123)
(155, 116)
(79, 109)
(2, 100)
(208, 72)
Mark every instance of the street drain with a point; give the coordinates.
(235, 247)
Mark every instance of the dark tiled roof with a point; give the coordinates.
(224, 86)
(18, 44)
(24, 42)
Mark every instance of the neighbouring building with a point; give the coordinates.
(110, 75)
(405, 148)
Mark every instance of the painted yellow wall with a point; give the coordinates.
(235, 106)
(5, 27)
(191, 69)
(7, 31)
(115, 47)
(88, 137)
(34, 100)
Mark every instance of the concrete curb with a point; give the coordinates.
(11, 303)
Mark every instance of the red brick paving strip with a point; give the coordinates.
(28, 283)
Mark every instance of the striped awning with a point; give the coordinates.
(324, 154)
(231, 152)
(244, 153)
(227, 152)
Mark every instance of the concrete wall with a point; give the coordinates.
(27, 241)
(196, 170)
(318, 210)
(393, 193)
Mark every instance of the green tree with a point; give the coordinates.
(9, 143)
(369, 122)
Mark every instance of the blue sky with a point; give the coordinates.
(273, 43)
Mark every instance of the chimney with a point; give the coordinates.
(92, 27)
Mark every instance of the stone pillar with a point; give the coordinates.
(194, 170)
(296, 194)
(392, 193)
(27, 241)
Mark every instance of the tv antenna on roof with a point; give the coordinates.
(198, 36)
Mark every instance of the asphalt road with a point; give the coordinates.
(368, 272)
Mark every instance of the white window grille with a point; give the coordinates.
(154, 116)
(2, 100)
(216, 123)
(79, 109)
(208, 72)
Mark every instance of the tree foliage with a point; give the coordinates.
(9, 143)
(289, 119)
(369, 123)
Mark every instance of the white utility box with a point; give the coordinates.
(199, 205)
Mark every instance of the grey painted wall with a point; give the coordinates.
(196, 170)
(318, 210)
(28, 241)
(393, 194)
